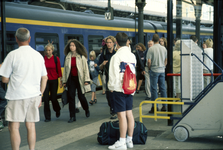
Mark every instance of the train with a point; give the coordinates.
(58, 26)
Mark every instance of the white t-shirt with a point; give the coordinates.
(207, 61)
(92, 68)
(24, 67)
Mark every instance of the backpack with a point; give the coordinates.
(109, 133)
(55, 60)
(129, 80)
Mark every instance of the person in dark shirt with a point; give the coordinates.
(140, 67)
(103, 64)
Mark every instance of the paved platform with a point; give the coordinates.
(82, 134)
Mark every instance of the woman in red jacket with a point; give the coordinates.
(53, 68)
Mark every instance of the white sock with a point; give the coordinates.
(129, 138)
(122, 140)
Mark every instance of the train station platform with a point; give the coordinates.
(82, 134)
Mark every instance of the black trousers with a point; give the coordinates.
(51, 86)
(3, 101)
(72, 87)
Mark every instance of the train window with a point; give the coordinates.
(42, 39)
(10, 42)
(94, 43)
(72, 36)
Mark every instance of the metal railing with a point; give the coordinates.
(157, 101)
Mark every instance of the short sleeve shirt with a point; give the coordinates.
(24, 67)
(157, 54)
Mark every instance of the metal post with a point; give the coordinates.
(218, 51)
(179, 19)
(3, 28)
(140, 6)
(109, 4)
(170, 53)
(109, 10)
(197, 9)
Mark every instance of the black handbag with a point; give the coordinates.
(64, 97)
(109, 133)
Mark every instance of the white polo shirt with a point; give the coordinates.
(24, 67)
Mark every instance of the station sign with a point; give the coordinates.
(108, 16)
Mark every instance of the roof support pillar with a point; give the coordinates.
(140, 4)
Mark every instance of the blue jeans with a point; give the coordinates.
(160, 79)
(3, 101)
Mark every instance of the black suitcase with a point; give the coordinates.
(109, 133)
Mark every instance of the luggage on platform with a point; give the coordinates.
(109, 133)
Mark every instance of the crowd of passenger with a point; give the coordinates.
(31, 78)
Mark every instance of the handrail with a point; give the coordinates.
(205, 74)
(159, 112)
(212, 79)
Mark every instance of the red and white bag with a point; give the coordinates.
(129, 80)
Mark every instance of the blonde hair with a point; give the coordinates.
(92, 54)
(50, 46)
(177, 46)
(111, 38)
(209, 43)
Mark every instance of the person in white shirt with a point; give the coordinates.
(24, 71)
(122, 103)
(209, 51)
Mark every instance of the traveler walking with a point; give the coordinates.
(93, 69)
(76, 76)
(53, 68)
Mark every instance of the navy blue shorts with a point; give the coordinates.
(121, 102)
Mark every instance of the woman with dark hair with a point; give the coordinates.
(140, 67)
(163, 42)
(76, 76)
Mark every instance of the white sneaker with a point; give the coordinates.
(129, 144)
(118, 145)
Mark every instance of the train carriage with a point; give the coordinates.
(58, 26)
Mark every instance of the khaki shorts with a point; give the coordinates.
(25, 110)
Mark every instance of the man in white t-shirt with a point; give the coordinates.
(24, 71)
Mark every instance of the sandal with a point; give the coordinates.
(95, 100)
(91, 102)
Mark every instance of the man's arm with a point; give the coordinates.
(165, 62)
(149, 63)
(43, 84)
(5, 80)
